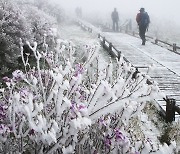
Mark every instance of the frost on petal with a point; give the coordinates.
(4, 129)
(18, 75)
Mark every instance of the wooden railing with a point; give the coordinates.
(171, 107)
(108, 46)
(84, 27)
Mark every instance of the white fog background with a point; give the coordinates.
(164, 14)
(164, 9)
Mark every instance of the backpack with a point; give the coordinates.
(144, 19)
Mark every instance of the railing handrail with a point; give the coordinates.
(111, 46)
(169, 113)
(85, 27)
(171, 108)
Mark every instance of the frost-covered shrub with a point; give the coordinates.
(42, 109)
(21, 21)
(13, 27)
(70, 105)
(40, 22)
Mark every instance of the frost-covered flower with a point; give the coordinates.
(3, 111)
(102, 122)
(108, 141)
(18, 75)
(4, 129)
(24, 93)
(82, 109)
(78, 70)
(6, 79)
(119, 135)
(31, 132)
(49, 58)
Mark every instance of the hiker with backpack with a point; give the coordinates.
(143, 21)
(115, 19)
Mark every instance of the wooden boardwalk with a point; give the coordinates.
(167, 64)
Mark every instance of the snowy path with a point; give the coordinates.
(167, 70)
(131, 46)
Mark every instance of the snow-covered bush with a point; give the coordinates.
(40, 22)
(21, 21)
(13, 27)
(69, 105)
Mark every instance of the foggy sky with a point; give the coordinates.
(163, 9)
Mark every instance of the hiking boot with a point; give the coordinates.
(143, 42)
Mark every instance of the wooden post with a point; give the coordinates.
(119, 55)
(104, 40)
(99, 35)
(110, 47)
(156, 41)
(170, 109)
(174, 46)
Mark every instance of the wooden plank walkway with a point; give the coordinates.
(167, 70)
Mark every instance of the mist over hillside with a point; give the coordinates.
(164, 14)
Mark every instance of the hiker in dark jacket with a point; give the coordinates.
(143, 21)
(115, 19)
